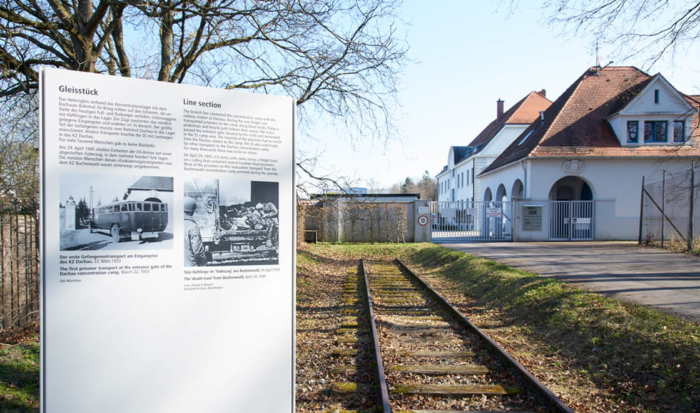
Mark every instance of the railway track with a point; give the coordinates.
(426, 357)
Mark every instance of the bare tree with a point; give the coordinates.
(19, 155)
(642, 29)
(338, 58)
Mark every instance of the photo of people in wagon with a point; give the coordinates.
(230, 222)
(115, 212)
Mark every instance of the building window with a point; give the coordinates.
(656, 95)
(679, 131)
(632, 131)
(472, 175)
(453, 173)
(655, 131)
(467, 176)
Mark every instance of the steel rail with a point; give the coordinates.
(382, 390)
(549, 398)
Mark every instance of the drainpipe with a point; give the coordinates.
(525, 194)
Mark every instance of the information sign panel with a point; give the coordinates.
(532, 218)
(167, 247)
(493, 212)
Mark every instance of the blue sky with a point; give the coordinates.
(468, 55)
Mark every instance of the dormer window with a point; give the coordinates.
(679, 131)
(632, 131)
(655, 131)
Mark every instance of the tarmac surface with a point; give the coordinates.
(667, 281)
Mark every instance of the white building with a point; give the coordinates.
(610, 128)
(458, 181)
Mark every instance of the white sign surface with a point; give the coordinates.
(493, 212)
(133, 319)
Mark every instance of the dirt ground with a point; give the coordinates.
(666, 281)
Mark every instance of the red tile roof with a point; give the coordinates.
(575, 125)
(523, 112)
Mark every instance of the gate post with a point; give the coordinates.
(422, 221)
(663, 207)
(641, 214)
(692, 196)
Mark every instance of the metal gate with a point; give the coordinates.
(571, 220)
(459, 221)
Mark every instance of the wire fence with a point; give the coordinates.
(669, 208)
(19, 267)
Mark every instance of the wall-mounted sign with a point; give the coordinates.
(532, 218)
(493, 212)
(423, 220)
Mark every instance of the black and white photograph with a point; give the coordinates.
(115, 212)
(230, 222)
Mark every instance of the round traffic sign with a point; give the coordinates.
(422, 220)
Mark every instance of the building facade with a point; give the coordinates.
(592, 146)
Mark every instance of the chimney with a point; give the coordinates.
(543, 93)
(499, 109)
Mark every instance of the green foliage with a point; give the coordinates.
(19, 378)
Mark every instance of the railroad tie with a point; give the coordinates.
(432, 340)
(351, 388)
(423, 330)
(463, 390)
(343, 370)
(342, 352)
(441, 370)
(439, 354)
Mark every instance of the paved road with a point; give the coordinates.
(667, 281)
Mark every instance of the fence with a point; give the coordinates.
(19, 269)
(669, 210)
(471, 221)
(354, 221)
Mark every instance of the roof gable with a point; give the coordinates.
(670, 101)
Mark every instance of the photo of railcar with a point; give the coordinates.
(115, 212)
(130, 220)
